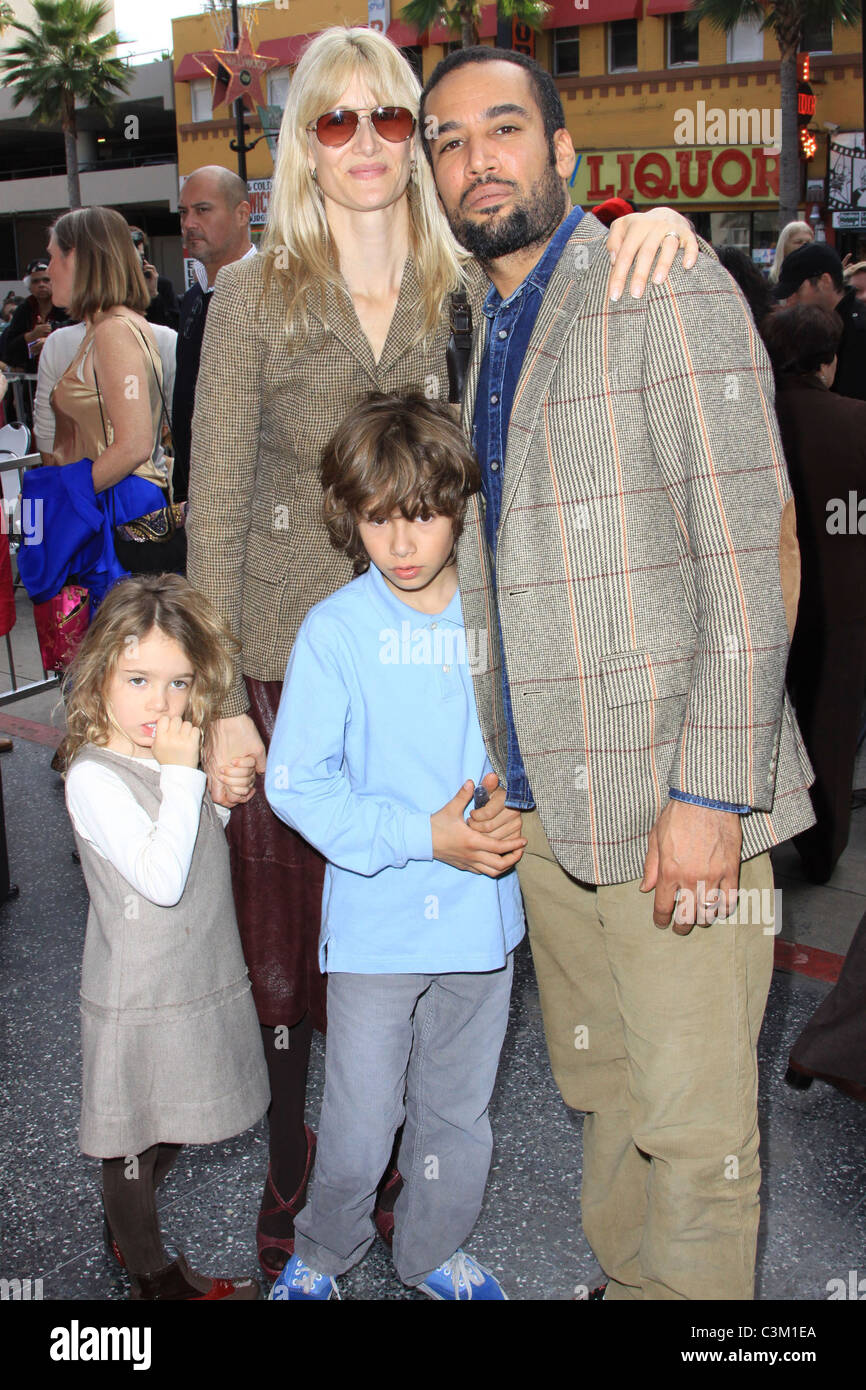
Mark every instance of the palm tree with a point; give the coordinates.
(7, 16)
(60, 60)
(788, 20)
(462, 16)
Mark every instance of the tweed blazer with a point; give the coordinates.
(645, 532)
(264, 411)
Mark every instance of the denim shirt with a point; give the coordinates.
(510, 325)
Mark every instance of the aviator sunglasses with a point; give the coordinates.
(336, 128)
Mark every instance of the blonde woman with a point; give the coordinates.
(108, 403)
(351, 294)
(792, 236)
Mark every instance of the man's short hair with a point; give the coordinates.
(395, 453)
(801, 339)
(543, 86)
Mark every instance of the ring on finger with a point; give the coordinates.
(676, 235)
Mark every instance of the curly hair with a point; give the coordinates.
(395, 453)
(132, 610)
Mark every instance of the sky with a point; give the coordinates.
(149, 25)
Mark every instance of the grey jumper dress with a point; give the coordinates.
(171, 1047)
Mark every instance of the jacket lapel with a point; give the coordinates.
(559, 309)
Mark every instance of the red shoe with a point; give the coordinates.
(383, 1217)
(274, 1251)
(177, 1283)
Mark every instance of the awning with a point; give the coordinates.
(564, 13)
(667, 6)
(190, 67)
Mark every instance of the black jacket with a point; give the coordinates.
(193, 316)
(851, 368)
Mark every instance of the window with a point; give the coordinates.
(278, 87)
(622, 45)
(817, 37)
(201, 92)
(414, 57)
(566, 50)
(746, 42)
(682, 41)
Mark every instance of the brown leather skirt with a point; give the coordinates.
(277, 879)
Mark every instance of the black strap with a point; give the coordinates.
(459, 347)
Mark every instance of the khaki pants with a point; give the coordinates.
(655, 1036)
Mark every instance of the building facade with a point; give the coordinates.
(659, 113)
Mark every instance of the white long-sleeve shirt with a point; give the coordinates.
(153, 856)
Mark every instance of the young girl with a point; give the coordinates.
(171, 1046)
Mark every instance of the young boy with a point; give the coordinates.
(376, 727)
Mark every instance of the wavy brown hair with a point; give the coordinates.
(395, 453)
(132, 609)
(107, 267)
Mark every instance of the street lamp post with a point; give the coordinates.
(239, 143)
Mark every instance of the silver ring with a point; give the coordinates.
(673, 234)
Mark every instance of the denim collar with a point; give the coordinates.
(539, 275)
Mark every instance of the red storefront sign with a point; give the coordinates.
(679, 175)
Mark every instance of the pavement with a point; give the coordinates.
(813, 1227)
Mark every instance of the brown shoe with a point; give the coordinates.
(5, 743)
(178, 1283)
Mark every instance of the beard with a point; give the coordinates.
(533, 220)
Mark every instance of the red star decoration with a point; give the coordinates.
(246, 69)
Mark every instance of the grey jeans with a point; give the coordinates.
(426, 1046)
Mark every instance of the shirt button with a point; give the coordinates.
(494, 466)
(503, 333)
(494, 399)
(446, 669)
(434, 624)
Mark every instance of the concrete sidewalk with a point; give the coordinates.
(814, 1220)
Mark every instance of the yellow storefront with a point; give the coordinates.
(635, 85)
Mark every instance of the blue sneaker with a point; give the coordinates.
(462, 1277)
(299, 1282)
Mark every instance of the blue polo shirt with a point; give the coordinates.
(377, 729)
(509, 327)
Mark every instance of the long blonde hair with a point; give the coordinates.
(132, 610)
(297, 244)
(790, 229)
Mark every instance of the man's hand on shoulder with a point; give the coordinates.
(235, 754)
(693, 851)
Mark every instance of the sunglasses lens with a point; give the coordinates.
(393, 122)
(336, 127)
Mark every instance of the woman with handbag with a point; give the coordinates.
(109, 402)
(353, 293)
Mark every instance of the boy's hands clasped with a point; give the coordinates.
(489, 843)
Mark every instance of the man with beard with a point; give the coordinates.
(635, 553)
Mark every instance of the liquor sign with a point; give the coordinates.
(736, 173)
(379, 15)
(260, 198)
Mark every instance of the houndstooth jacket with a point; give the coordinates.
(264, 411)
(645, 540)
